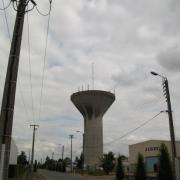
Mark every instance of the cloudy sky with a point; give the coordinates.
(125, 39)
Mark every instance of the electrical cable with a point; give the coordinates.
(30, 73)
(7, 25)
(23, 101)
(42, 14)
(133, 130)
(30, 9)
(20, 88)
(14, 6)
(4, 8)
(44, 63)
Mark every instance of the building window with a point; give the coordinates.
(155, 168)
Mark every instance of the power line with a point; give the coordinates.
(4, 8)
(20, 88)
(133, 130)
(7, 25)
(44, 62)
(43, 14)
(30, 74)
(23, 101)
(19, 84)
(5, 15)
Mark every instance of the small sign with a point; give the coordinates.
(152, 149)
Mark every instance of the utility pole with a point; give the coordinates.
(29, 157)
(32, 153)
(71, 136)
(7, 108)
(171, 127)
(52, 155)
(62, 152)
(83, 136)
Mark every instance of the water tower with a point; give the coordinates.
(93, 104)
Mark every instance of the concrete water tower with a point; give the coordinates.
(93, 104)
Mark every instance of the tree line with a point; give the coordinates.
(109, 163)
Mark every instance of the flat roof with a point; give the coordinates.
(155, 140)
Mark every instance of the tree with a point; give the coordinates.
(50, 163)
(64, 166)
(22, 159)
(165, 171)
(140, 173)
(119, 168)
(59, 165)
(79, 161)
(107, 162)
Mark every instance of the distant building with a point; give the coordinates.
(150, 151)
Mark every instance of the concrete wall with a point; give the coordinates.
(13, 153)
(93, 147)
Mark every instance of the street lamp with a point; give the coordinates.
(62, 150)
(156, 74)
(83, 149)
(171, 125)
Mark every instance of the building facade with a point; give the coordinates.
(150, 151)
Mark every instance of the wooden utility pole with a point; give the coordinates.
(33, 141)
(7, 108)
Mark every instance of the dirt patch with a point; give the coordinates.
(35, 177)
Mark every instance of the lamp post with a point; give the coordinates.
(171, 125)
(82, 149)
(62, 151)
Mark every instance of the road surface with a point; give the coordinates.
(52, 175)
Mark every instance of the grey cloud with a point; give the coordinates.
(121, 37)
(129, 78)
(170, 60)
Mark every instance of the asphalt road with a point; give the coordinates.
(52, 175)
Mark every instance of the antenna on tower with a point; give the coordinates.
(93, 75)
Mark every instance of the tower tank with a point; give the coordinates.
(93, 104)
